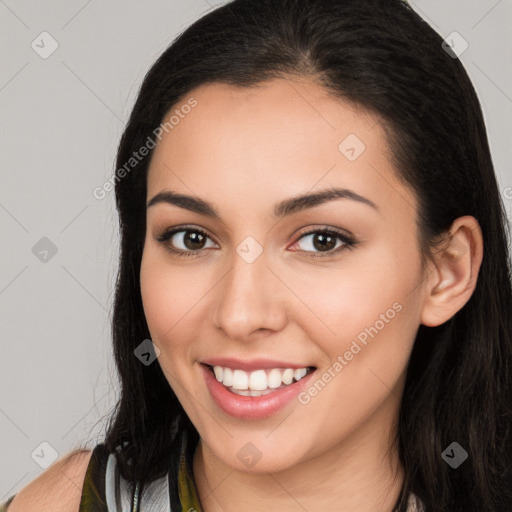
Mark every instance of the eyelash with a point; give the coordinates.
(349, 243)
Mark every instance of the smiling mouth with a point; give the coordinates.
(258, 382)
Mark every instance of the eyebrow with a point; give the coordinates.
(282, 209)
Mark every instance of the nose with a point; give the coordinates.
(249, 300)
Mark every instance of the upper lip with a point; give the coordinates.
(252, 364)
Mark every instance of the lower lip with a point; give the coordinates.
(252, 407)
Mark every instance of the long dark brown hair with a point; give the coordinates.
(382, 56)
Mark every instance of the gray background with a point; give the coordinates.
(61, 119)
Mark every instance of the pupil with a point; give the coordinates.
(325, 241)
(194, 238)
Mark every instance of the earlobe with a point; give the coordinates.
(453, 279)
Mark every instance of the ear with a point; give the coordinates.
(453, 278)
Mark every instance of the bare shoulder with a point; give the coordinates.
(58, 489)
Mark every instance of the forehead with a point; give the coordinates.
(280, 138)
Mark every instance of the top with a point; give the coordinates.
(105, 490)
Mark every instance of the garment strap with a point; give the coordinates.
(93, 490)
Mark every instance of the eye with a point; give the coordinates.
(325, 241)
(190, 241)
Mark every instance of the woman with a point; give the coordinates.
(313, 303)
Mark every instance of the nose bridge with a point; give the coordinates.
(248, 296)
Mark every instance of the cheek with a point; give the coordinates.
(366, 316)
(168, 293)
(346, 299)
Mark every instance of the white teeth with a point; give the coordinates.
(299, 373)
(250, 392)
(257, 382)
(274, 378)
(287, 376)
(227, 378)
(240, 380)
(243, 392)
(218, 370)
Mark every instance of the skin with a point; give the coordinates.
(244, 150)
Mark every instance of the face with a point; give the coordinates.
(333, 285)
